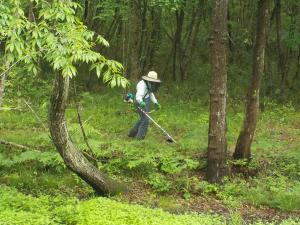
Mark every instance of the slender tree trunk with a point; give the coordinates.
(73, 158)
(243, 146)
(278, 41)
(177, 38)
(2, 87)
(281, 68)
(2, 84)
(144, 36)
(217, 142)
(296, 77)
(135, 26)
(89, 13)
(155, 39)
(230, 42)
(186, 52)
(86, 9)
(31, 16)
(269, 72)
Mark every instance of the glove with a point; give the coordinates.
(158, 106)
(142, 104)
(129, 97)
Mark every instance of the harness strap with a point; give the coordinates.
(148, 90)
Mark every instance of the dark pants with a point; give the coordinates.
(139, 130)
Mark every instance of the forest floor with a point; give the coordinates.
(160, 175)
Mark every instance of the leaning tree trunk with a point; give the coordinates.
(217, 142)
(243, 146)
(73, 158)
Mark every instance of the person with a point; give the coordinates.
(144, 96)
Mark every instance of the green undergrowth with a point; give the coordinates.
(17, 208)
(166, 169)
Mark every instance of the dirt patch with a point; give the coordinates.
(140, 193)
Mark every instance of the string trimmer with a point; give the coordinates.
(170, 139)
(129, 98)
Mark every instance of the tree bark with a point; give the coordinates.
(73, 158)
(177, 38)
(135, 26)
(155, 37)
(187, 50)
(281, 65)
(217, 142)
(298, 69)
(243, 146)
(86, 9)
(31, 16)
(144, 36)
(2, 84)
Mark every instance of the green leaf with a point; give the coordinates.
(102, 41)
(113, 82)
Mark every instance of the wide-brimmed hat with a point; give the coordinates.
(152, 76)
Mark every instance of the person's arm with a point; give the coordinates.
(140, 92)
(153, 99)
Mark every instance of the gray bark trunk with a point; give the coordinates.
(73, 158)
(243, 146)
(217, 142)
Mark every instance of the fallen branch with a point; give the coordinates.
(23, 147)
(15, 145)
(9, 109)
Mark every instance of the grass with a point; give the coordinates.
(166, 170)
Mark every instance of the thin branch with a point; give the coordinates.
(36, 115)
(14, 64)
(81, 126)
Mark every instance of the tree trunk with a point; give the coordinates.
(281, 65)
(217, 142)
(187, 50)
(243, 146)
(177, 38)
(2, 87)
(86, 9)
(144, 36)
(135, 26)
(296, 77)
(230, 42)
(31, 16)
(73, 158)
(155, 37)
(2, 84)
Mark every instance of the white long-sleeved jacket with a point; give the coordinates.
(141, 90)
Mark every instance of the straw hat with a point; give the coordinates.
(152, 76)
